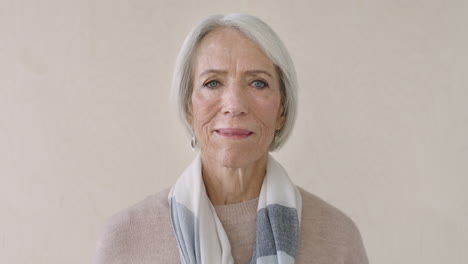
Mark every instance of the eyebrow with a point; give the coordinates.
(250, 72)
(213, 71)
(253, 72)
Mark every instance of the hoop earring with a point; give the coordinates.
(193, 143)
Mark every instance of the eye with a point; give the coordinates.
(259, 84)
(211, 84)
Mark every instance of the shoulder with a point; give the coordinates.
(318, 211)
(325, 228)
(149, 209)
(142, 230)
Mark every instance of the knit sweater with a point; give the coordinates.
(143, 233)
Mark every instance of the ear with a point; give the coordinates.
(189, 114)
(281, 118)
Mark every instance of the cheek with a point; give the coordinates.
(203, 109)
(268, 111)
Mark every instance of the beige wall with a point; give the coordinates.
(86, 128)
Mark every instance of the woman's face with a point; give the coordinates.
(236, 102)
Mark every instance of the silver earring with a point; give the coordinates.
(275, 137)
(193, 143)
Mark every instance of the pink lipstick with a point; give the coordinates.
(233, 133)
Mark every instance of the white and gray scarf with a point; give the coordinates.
(201, 236)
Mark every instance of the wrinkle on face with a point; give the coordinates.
(235, 61)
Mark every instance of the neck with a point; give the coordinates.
(227, 185)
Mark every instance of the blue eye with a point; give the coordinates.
(211, 84)
(259, 84)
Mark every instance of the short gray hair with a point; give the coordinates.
(268, 42)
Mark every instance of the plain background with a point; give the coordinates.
(87, 128)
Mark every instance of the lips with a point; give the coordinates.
(233, 133)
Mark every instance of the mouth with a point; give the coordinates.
(233, 133)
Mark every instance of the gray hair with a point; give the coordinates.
(268, 42)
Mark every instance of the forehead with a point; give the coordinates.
(225, 47)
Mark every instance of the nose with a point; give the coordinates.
(235, 100)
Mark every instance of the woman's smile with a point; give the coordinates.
(233, 133)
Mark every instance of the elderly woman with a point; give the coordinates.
(236, 89)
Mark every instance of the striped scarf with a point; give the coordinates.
(201, 237)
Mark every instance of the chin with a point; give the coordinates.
(237, 158)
